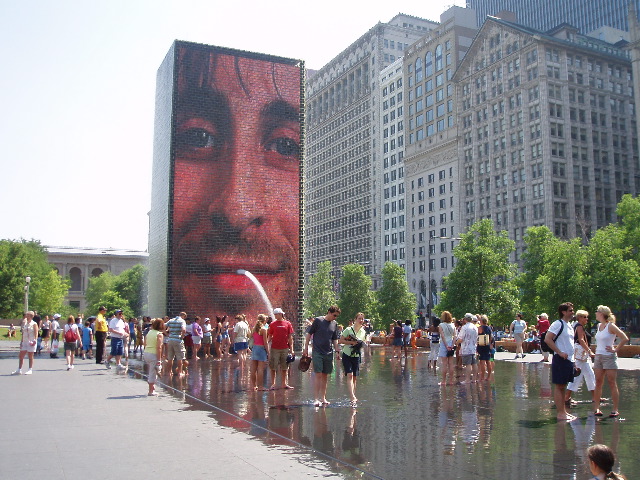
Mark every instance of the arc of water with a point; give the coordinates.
(258, 285)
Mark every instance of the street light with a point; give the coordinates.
(430, 290)
(26, 294)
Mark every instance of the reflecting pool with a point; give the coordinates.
(406, 426)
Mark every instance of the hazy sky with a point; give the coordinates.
(77, 97)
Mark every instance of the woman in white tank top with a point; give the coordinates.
(606, 360)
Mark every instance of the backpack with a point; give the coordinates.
(70, 336)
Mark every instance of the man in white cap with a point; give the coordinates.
(55, 336)
(281, 337)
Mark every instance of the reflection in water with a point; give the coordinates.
(406, 426)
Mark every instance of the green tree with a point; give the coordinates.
(394, 300)
(537, 241)
(355, 292)
(629, 213)
(614, 277)
(97, 288)
(131, 286)
(483, 280)
(320, 294)
(19, 259)
(51, 290)
(563, 278)
(113, 301)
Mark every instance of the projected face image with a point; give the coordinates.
(236, 183)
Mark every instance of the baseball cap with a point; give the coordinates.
(118, 311)
(469, 316)
(57, 315)
(207, 320)
(278, 310)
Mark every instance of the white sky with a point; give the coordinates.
(77, 88)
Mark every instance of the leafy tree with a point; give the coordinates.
(537, 241)
(355, 292)
(394, 300)
(614, 278)
(629, 213)
(19, 259)
(97, 288)
(483, 280)
(320, 294)
(130, 285)
(113, 301)
(563, 278)
(51, 290)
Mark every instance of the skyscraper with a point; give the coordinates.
(342, 120)
(585, 15)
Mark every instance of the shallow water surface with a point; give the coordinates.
(406, 426)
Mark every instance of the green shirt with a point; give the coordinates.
(350, 331)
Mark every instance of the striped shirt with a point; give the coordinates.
(175, 327)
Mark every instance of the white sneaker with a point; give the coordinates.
(17, 372)
(29, 372)
(68, 367)
(71, 366)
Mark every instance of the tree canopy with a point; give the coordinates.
(355, 293)
(394, 300)
(320, 293)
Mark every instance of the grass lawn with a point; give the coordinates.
(3, 335)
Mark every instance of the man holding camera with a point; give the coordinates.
(353, 340)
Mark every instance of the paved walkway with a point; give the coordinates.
(94, 423)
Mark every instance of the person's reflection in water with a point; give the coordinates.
(446, 422)
(564, 460)
(583, 434)
(283, 421)
(469, 417)
(256, 415)
(322, 434)
(352, 443)
(486, 402)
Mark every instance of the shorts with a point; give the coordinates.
(206, 340)
(196, 340)
(561, 371)
(278, 359)
(469, 359)
(69, 346)
(323, 363)
(86, 347)
(28, 348)
(605, 362)
(407, 340)
(117, 347)
(442, 351)
(484, 353)
(397, 342)
(351, 364)
(518, 337)
(239, 346)
(259, 354)
(176, 350)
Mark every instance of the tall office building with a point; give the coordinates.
(548, 130)
(431, 153)
(342, 121)
(585, 15)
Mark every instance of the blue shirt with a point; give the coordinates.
(86, 335)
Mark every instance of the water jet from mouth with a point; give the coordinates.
(258, 285)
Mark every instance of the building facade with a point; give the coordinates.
(431, 156)
(81, 264)
(548, 130)
(341, 211)
(585, 15)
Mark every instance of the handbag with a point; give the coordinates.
(483, 340)
(576, 371)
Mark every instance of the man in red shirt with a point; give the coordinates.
(281, 337)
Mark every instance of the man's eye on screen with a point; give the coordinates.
(197, 138)
(284, 146)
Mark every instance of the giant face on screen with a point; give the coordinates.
(236, 182)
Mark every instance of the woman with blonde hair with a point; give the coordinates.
(447, 347)
(259, 353)
(153, 353)
(606, 360)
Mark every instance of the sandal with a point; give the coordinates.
(598, 413)
(614, 414)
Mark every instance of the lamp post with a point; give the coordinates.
(26, 294)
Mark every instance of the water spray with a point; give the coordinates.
(258, 285)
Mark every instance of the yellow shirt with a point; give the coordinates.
(152, 341)
(101, 323)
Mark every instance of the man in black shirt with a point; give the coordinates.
(325, 342)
